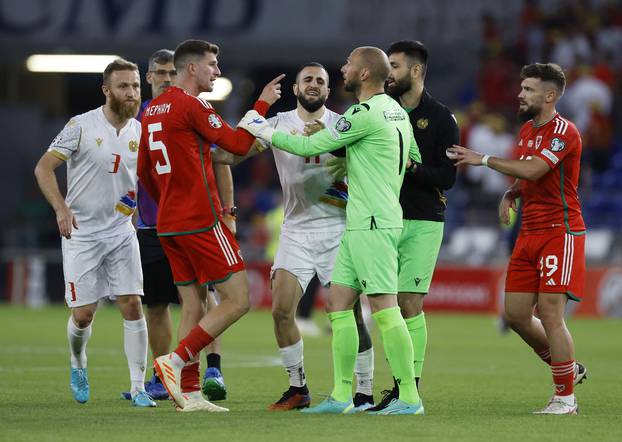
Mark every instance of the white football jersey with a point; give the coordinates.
(311, 201)
(101, 173)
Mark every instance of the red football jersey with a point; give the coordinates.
(553, 200)
(175, 161)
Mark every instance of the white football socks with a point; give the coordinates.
(78, 337)
(364, 371)
(292, 358)
(135, 343)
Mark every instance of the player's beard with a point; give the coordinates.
(125, 109)
(350, 86)
(399, 87)
(311, 105)
(529, 113)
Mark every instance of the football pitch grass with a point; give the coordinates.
(477, 385)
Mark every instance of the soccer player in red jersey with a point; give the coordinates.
(547, 267)
(175, 166)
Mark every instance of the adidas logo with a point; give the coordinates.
(550, 282)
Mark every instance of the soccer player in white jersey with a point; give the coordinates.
(100, 250)
(314, 222)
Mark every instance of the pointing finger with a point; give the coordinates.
(277, 79)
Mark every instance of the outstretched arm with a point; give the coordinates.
(531, 169)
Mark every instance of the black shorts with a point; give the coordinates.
(157, 276)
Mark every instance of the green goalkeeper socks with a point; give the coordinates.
(399, 351)
(419, 336)
(345, 348)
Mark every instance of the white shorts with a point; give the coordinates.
(100, 268)
(307, 254)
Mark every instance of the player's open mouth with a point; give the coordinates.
(313, 93)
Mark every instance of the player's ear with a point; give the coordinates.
(295, 89)
(327, 92)
(364, 74)
(416, 70)
(550, 96)
(191, 68)
(105, 90)
(149, 77)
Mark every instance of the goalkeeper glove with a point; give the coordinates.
(256, 125)
(336, 167)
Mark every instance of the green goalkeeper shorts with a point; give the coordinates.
(418, 250)
(367, 261)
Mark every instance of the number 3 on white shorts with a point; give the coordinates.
(551, 264)
(159, 145)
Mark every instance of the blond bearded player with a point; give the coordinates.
(100, 250)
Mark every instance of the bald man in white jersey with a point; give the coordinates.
(100, 250)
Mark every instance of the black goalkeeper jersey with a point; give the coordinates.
(435, 130)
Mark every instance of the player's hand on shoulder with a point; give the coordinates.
(66, 221)
(272, 91)
(313, 127)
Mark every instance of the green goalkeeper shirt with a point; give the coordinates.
(379, 140)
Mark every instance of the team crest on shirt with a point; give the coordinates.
(530, 143)
(133, 146)
(422, 123)
(214, 121)
(98, 141)
(557, 145)
(538, 141)
(343, 125)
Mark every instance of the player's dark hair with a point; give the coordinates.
(550, 72)
(118, 65)
(413, 49)
(192, 49)
(161, 56)
(313, 64)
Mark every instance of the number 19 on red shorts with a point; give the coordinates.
(547, 261)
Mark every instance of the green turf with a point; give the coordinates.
(478, 385)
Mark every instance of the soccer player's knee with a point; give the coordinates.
(515, 319)
(132, 308)
(550, 319)
(82, 318)
(157, 313)
(281, 314)
(243, 305)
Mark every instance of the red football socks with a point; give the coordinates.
(190, 378)
(193, 343)
(563, 377)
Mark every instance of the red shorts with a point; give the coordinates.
(547, 261)
(205, 257)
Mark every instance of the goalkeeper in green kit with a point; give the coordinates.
(379, 147)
